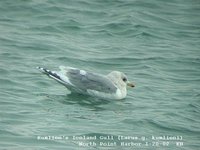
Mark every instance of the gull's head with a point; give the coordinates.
(120, 79)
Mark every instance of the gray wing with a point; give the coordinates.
(90, 81)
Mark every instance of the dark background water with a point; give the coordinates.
(156, 43)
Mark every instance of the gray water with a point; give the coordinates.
(156, 43)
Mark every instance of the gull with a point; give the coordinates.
(110, 86)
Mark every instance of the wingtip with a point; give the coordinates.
(40, 69)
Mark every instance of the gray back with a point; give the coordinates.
(90, 81)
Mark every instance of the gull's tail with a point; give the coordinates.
(51, 74)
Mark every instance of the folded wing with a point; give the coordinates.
(84, 81)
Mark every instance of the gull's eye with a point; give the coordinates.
(124, 79)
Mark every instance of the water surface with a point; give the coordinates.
(156, 43)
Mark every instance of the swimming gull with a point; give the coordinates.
(111, 86)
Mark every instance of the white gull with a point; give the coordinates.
(111, 86)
